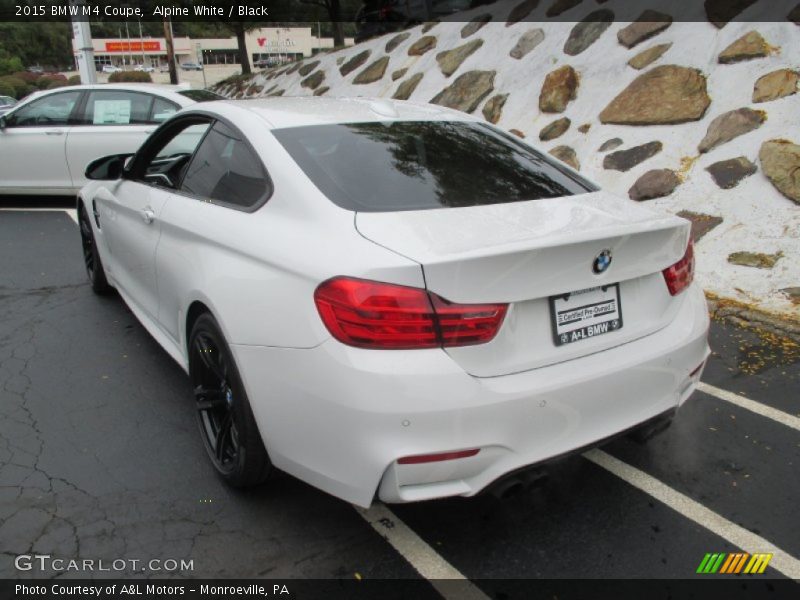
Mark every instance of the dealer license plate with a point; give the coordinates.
(585, 314)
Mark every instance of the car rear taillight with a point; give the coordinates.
(680, 275)
(370, 314)
(465, 324)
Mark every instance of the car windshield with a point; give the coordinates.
(201, 95)
(415, 165)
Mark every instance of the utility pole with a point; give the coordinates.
(173, 72)
(82, 34)
(141, 39)
(429, 10)
(128, 35)
(198, 49)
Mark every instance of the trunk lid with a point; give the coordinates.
(523, 253)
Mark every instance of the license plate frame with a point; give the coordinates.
(593, 312)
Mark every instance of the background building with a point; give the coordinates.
(274, 44)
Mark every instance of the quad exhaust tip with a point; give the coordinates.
(513, 484)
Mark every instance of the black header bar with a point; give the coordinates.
(268, 12)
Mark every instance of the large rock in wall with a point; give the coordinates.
(559, 87)
(649, 24)
(780, 160)
(372, 73)
(749, 46)
(731, 125)
(665, 95)
(466, 92)
(776, 85)
(585, 33)
(450, 60)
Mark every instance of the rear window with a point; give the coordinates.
(415, 165)
(201, 95)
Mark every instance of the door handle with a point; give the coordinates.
(148, 216)
(54, 132)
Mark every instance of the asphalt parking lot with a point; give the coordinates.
(100, 458)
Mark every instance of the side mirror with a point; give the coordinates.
(107, 168)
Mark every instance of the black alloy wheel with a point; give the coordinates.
(227, 426)
(91, 257)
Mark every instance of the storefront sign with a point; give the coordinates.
(148, 46)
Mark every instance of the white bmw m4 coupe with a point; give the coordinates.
(392, 299)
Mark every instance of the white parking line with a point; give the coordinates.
(70, 211)
(781, 417)
(420, 555)
(738, 536)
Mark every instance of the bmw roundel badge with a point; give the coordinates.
(602, 262)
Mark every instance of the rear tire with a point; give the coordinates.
(91, 256)
(227, 426)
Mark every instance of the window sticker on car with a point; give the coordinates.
(112, 112)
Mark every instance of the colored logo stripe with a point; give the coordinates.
(732, 564)
(758, 563)
(728, 562)
(711, 562)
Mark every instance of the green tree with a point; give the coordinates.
(43, 43)
(334, 10)
(9, 64)
(239, 29)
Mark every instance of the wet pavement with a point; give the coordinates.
(100, 458)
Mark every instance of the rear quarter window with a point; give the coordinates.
(225, 169)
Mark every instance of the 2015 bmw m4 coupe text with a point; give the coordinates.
(391, 299)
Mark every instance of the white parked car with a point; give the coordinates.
(47, 140)
(392, 299)
(111, 69)
(6, 104)
(144, 68)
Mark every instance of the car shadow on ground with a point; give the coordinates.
(37, 202)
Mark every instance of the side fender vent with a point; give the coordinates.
(96, 214)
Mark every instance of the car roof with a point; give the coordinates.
(141, 87)
(167, 91)
(283, 112)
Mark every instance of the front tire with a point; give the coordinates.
(91, 256)
(225, 419)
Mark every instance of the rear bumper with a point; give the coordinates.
(339, 418)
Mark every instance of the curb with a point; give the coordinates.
(746, 315)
